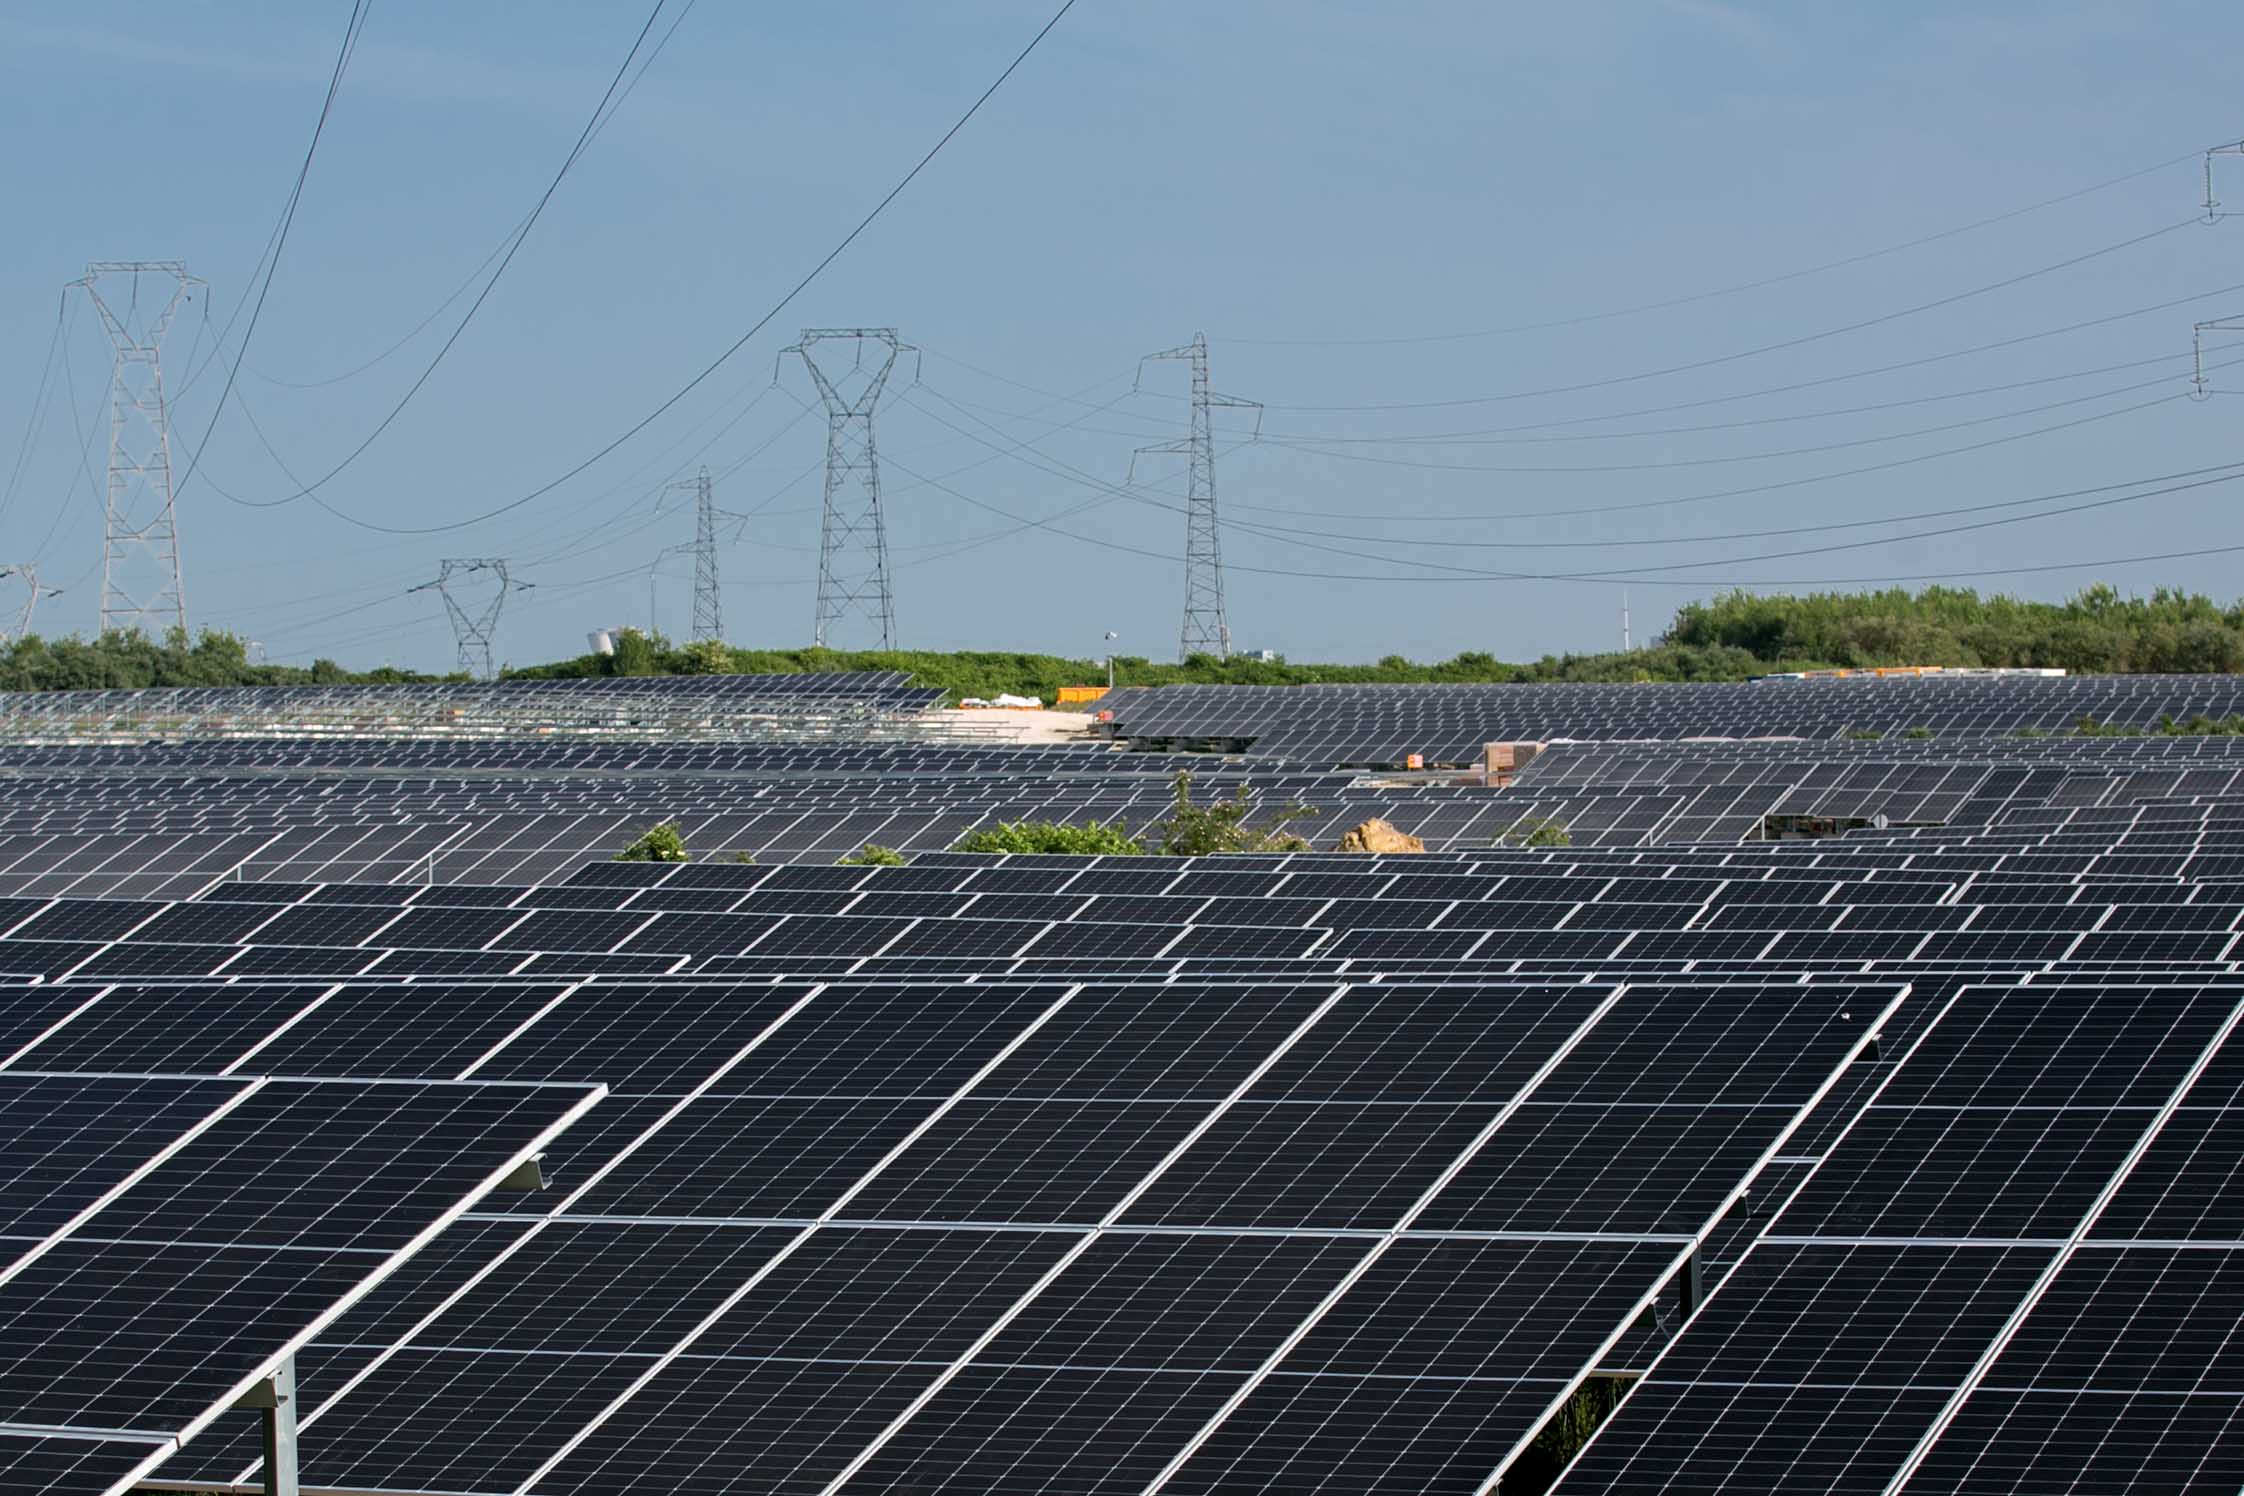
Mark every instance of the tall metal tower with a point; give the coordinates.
(1206, 629)
(853, 545)
(29, 572)
(2201, 388)
(473, 632)
(2213, 213)
(140, 579)
(708, 612)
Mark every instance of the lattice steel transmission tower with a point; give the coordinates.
(708, 610)
(33, 592)
(2213, 213)
(140, 577)
(473, 632)
(853, 544)
(2201, 387)
(1206, 628)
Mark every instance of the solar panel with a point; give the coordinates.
(1256, 1173)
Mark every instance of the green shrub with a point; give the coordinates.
(872, 854)
(1918, 732)
(1540, 831)
(1562, 1436)
(658, 843)
(1212, 830)
(705, 657)
(1054, 838)
(1864, 734)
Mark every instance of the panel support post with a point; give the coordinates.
(1690, 1284)
(274, 1401)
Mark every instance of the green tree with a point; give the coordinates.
(660, 842)
(1062, 838)
(872, 854)
(637, 654)
(705, 657)
(1211, 830)
(1540, 831)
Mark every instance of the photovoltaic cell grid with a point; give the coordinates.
(527, 812)
(1382, 724)
(875, 1219)
(1127, 1225)
(2008, 1274)
(168, 1240)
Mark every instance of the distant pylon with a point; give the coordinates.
(1206, 628)
(473, 632)
(853, 543)
(30, 574)
(708, 612)
(2213, 204)
(2200, 386)
(140, 576)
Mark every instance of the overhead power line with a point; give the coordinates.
(576, 151)
(1740, 288)
(34, 421)
(1792, 387)
(756, 327)
(271, 259)
(1694, 366)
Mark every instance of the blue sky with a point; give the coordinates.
(1308, 182)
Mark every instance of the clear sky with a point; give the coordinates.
(1359, 204)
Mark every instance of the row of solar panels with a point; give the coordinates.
(1885, 1161)
(1377, 724)
(561, 1315)
(867, 685)
(66, 833)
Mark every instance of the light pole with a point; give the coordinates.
(1111, 636)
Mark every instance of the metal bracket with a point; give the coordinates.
(526, 1175)
(274, 1398)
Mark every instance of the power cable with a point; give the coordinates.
(1740, 288)
(84, 432)
(1792, 387)
(1781, 345)
(39, 403)
(351, 33)
(576, 152)
(1751, 490)
(1317, 449)
(2225, 477)
(742, 341)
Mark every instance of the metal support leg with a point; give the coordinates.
(274, 1400)
(1689, 1285)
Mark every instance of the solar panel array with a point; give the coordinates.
(171, 1238)
(1385, 724)
(1896, 1160)
(794, 707)
(169, 821)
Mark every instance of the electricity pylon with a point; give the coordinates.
(853, 542)
(30, 574)
(140, 576)
(2203, 387)
(473, 632)
(708, 608)
(1206, 628)
(708, 611)
(2213, 204)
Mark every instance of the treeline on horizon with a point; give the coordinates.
(1736, 635)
